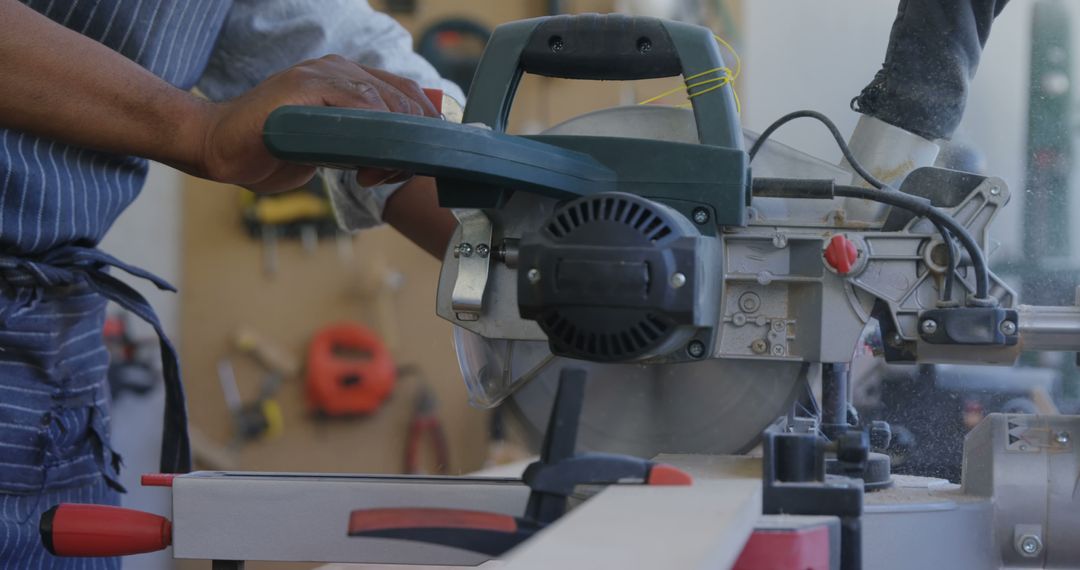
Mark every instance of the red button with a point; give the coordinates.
(841, 254)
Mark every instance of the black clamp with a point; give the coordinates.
(551, 481)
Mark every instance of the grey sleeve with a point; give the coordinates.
(262, 37)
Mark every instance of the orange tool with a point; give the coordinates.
(349, 371)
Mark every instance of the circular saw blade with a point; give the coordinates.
(713, 406)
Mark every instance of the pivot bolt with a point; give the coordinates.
(533, 275)
(701, 216)
(1008, 328)
(696, 349)
(929, 326)
(463, 249)
(1029, 546)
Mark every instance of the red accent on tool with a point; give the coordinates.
(349, 371)
(370, 520)
(841, 254)
(804, 549)
(663, 474)
(157, 479)
(100, 530)
(435, 96)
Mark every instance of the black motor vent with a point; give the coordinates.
(611, 278)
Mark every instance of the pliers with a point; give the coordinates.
(424, 421)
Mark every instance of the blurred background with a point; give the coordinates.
(259, 281)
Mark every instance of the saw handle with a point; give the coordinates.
(602, 47)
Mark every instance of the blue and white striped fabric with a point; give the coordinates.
(53, 194)
(56, 203)
(20, 545)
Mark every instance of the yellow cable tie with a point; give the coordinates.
(727, 78)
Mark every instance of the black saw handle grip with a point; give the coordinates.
(602, 47)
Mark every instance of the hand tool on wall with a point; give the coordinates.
(552, 480)
(304, 214)
(259, 418)
(349, 371)
(425, 425)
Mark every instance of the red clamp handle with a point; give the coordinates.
(100, 530)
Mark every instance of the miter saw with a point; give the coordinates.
(702, 301)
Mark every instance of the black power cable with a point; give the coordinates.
(884, 194)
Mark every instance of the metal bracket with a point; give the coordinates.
(473, 254)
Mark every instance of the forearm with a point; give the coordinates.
(61, 85)
(413, 210)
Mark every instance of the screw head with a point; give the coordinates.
(696, 349)
(555, 43)
(779, 241)
(533, 275)
(929, 326)
(1008, 328)
(995, 190)
(1029, 545)
(1062, 437)
(895, 340)
(678, 280)
(759, 346)
(463, 249)
(749, 302)
(778, 350)
(701, 216)
(483, 250)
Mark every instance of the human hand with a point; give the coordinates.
(231, 143)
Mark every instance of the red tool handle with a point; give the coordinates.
(100, 530)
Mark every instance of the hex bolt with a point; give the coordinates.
(533, 275)
(696, 349)
(759, 346)
(678, 280)
(1008, 328)
(778, 350)
(483, 250)
(1029, 546)
(929, 326)
(1062, 437)
(701, 216)
(749, 302)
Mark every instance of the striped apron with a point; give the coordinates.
(56, 203)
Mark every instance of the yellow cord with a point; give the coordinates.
(725, 77)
